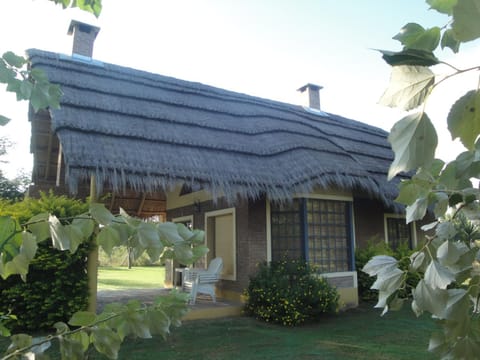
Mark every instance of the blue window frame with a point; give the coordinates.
(317, 230)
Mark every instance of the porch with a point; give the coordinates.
(204, 307)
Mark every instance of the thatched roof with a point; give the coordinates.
(148, 132)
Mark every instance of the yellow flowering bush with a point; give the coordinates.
(289, 293)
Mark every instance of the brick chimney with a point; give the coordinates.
(313, 95)
(83, 37)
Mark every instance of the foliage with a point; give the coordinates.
(57, 287)
(448, 262)
(289, 293)
(32, 84)
(57, 283)
(19, 244)
(374, 247)
(105, 332)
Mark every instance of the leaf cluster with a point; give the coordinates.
(448, 262)
(106, 331)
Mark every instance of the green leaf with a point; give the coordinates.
(148, 235)
(71, 349)
(449, 252)
(438, 276)
(417, 210)
(466, 26)
(4, 120)
(20, 341)
(14, 60)
(379, 264)
(108, 238)
(83, 318)
(158, 322)
(82, 338)
(414, 36)
(464, 119)
(75, 237)
(39, 226)
(100, 213)
(411, 57)
(442, 6)
(409, 87)
(429, 299)
(60, 239)
(184, 232)
(29, 246)
(7, 75)
(169, 234)
(92, 6)
(183, 253)
(84, 224)
(417, 259)
(414, 141)
(441, 205)
(106, 342)
(449, 41)
(411, 190)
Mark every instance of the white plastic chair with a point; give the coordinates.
(202, 281)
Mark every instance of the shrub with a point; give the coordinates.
(57, 284)
(289, 293)
(377, 246)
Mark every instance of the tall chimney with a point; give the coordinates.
(83, 37)
(313, 93)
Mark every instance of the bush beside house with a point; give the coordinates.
(56, 285)
(289, 293)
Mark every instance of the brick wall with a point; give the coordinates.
(369, 223)
(251, 247)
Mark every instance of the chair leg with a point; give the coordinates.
(193, 293)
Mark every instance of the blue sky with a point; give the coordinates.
(266, 48)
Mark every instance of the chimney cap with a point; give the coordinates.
(310, 86)
(82, 25)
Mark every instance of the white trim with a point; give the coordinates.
(183, 219)
(268, 230)
(228, 211)
(413, 226)
(325, 197)
(342, 274)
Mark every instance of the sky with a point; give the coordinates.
(265, 48)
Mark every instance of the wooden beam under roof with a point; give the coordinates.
(142, 202)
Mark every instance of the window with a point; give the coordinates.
(398, 232)
(316, 230)
(220, 236)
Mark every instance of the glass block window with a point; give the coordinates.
(317, 230)
(287, 232)
(398, 232)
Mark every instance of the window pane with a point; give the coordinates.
(328, 234)
(398, 232)
(287, 231)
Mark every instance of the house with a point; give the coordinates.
(264, 179)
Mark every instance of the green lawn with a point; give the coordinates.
(139, 277)
(356, 334)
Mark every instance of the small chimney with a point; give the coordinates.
(313, 93)
(83, 37)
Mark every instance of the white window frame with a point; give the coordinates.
(345, 198)
(413, 227)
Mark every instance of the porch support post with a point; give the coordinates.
(92, 261)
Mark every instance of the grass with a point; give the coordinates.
(357, 334)
(138, 277)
